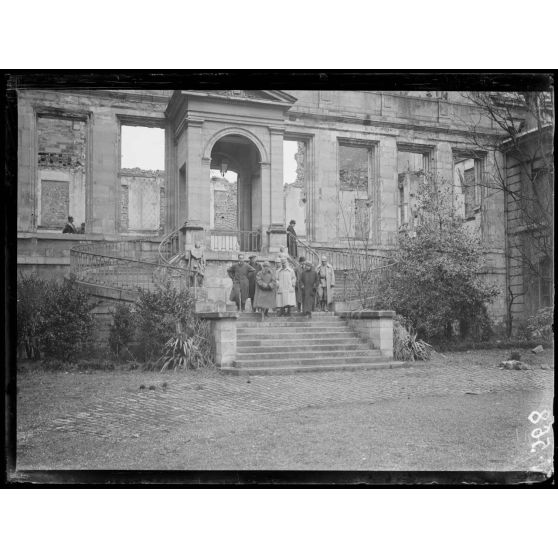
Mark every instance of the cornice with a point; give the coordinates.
(397, 124)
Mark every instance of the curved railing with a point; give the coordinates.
(169, 246)
(127, 265)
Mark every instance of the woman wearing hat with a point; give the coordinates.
(266, 285)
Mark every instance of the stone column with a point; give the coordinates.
(276, 176)
(197, 175)
(104, 188)
(387, 192)
(223, 331)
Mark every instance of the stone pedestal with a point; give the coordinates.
(223, 332)
(190, 233)
(276, 237)
(375, 326)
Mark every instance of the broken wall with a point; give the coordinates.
(61, 177)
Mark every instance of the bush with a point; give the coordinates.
(540, 326)
(31, 293)
(122, 329)
(168, 330)
(54, 319)
(436, 283)
(406, 346)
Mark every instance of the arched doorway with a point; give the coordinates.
(235, 182)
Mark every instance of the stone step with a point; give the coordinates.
(303, 336)
(299, 328)
(296, 340)
(273, 319)
(288, 370)
(318, 354)
(351, 345)
(302, 361)
(287, 325)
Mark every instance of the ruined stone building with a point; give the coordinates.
(354, 159)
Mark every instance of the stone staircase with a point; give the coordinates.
(295, 344)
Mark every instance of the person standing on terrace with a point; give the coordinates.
(291, 239)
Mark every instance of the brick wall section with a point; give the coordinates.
(225, 204)
(62, 141)
(131, 178)
(123, 207)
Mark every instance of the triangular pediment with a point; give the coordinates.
(273, 96)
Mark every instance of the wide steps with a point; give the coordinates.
(295, 339)
(318, 354)
(303, 329)
(288, 361)
(247, 348)
(288, 370)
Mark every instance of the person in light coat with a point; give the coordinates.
(326, 278)
(286, 281)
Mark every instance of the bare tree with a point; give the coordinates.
(524, 123)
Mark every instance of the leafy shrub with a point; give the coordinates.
(31, 293)
(122, 329)
(406, 346)
(540, 326)
(168, 330)
(187, 352)
(67, 322)
(54, 319)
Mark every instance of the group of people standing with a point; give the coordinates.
(277, 286)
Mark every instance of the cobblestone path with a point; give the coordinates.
(204, 406)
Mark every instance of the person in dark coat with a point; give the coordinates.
(298, 271)
(239, 273)
(308, 285)
(266, 286)
(252, 279)
(69, 227)
(291, 239)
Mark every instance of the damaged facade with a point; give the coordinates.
(357, 155)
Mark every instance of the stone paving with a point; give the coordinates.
(198, 399)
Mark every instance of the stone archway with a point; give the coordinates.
(241, 155)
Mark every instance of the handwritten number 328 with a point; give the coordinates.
(535, 417)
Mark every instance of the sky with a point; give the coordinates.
(145, 148)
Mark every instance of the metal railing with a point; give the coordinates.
(235, 240)
(126, 265)
(169, 246)
(357, 272)
(340, 258)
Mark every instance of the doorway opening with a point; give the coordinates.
(235, 182)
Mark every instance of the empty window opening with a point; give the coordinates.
(294, 179)
(142, 147)
(142, 178)
(356, 169)
(412, 169)
(467, 176)
(61, 162)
